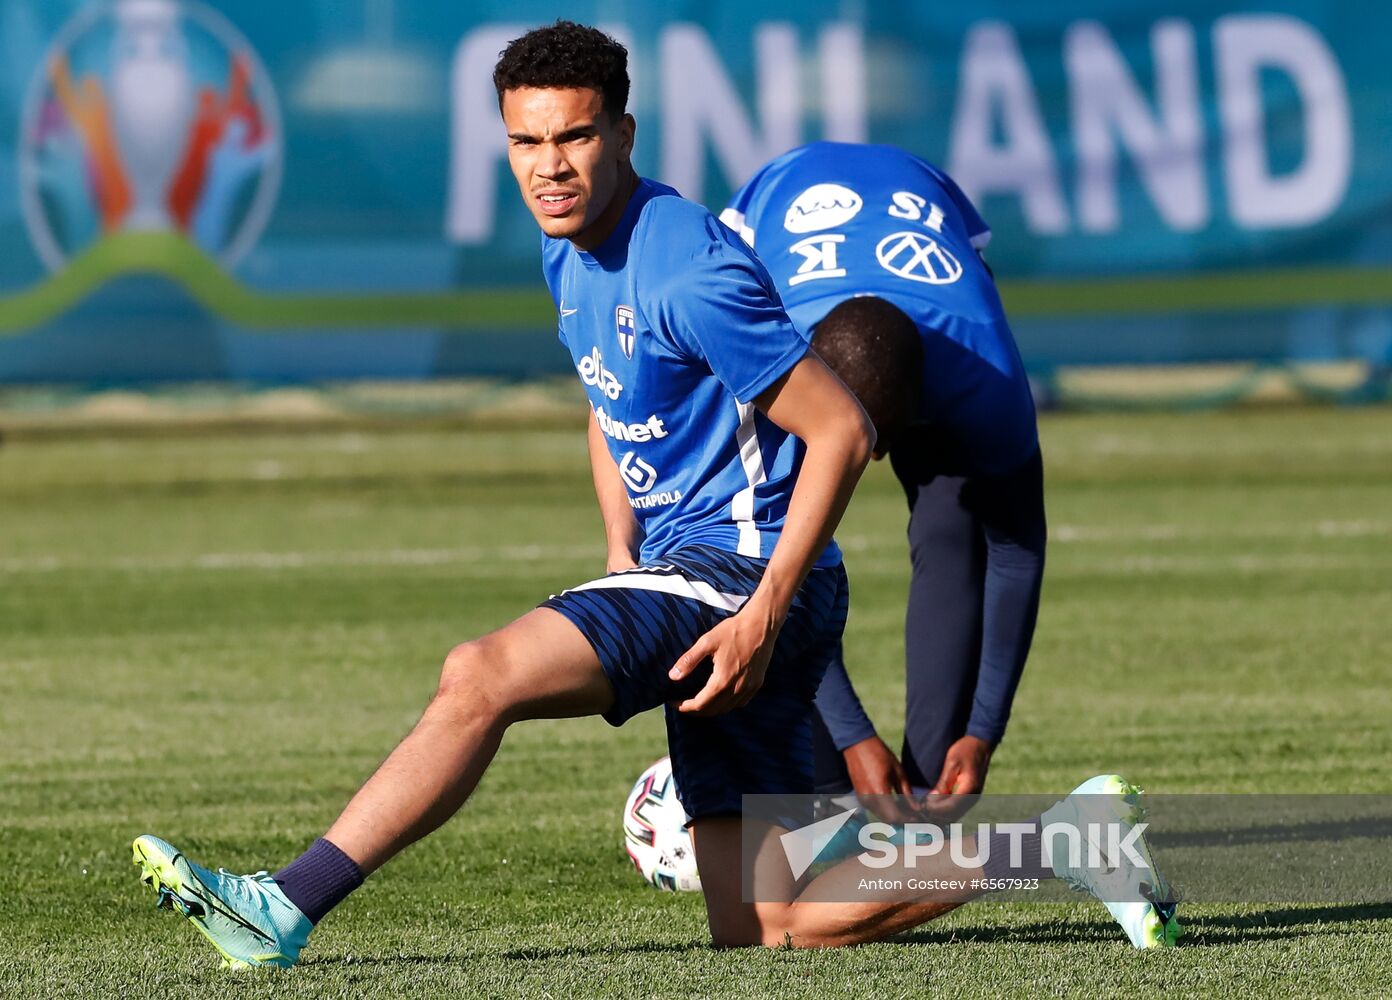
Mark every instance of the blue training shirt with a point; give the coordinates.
(834, 220)
(675, 328)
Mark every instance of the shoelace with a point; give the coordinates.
(239, 887)
(247, 887)
(261, 876)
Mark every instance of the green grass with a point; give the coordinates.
(216, 638)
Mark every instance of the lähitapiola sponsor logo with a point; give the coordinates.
(640, 477)
(637, 474)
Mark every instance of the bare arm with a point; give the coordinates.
(811, 403)
(621, 529)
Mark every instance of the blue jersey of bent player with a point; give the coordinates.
(832, 220)
(675, 327)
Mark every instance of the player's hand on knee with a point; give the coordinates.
(738, 649)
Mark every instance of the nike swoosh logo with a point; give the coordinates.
(567, 312)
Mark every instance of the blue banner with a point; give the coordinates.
(275, 192)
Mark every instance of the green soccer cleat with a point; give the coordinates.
(1138, 897)
(245, 917)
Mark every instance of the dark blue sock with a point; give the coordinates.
(998, 865)
(319, 879)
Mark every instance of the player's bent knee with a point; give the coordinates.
(469, 679)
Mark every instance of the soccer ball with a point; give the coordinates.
(655, 833)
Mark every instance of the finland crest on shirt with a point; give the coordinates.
(675, 328)
(627, 331)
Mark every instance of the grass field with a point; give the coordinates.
(217, 637)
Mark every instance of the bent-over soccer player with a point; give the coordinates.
(876, 255)
(723, 453)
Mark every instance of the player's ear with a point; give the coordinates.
(627, 129)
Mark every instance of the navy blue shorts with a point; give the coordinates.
(641, 620)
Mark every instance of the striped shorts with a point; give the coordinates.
(639, 621)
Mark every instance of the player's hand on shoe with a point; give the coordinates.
(963, 776)
(880, 782)
(738, 649)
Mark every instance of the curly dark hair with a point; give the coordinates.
(566, 54)
(874, 347)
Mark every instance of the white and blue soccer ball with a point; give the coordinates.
(655, 833)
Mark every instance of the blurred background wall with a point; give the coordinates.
(270, 192)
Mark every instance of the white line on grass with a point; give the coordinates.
(493, 555)
(501, 555)
(1176, 532)
(1290, 563)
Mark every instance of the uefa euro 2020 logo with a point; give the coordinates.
(149, 116)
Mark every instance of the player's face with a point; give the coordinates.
(571, 160)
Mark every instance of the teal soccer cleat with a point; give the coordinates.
(1138, 897)
(245, 917)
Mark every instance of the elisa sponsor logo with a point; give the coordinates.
(592, 372)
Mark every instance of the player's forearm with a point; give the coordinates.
(622, 532)
(1015, 531)
(1014, 575)
(835, 458)
(840, 708)
(812, 403)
